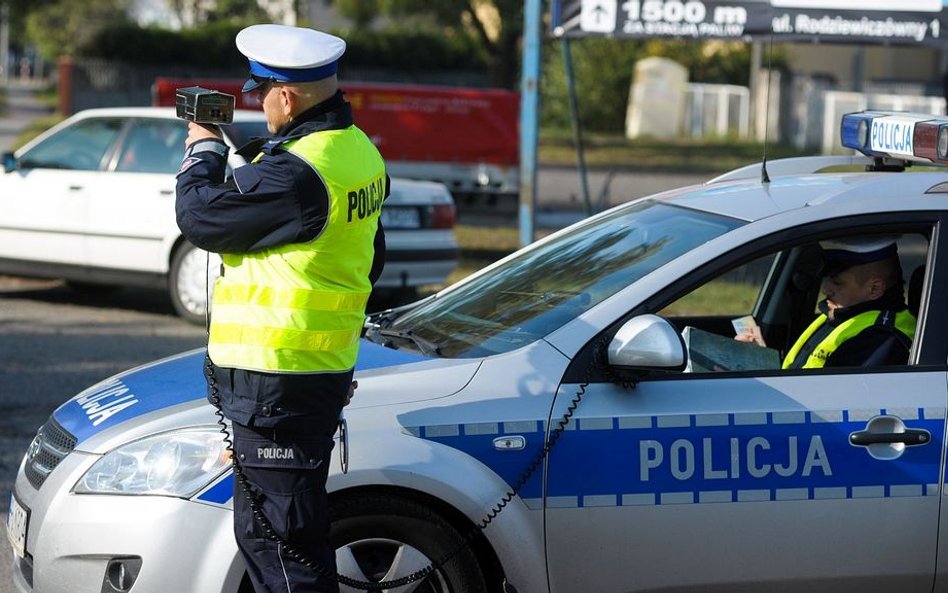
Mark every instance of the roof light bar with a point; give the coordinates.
(907, 136)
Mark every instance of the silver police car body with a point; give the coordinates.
(650, 473)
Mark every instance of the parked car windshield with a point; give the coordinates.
(543, 288)
(80, 146)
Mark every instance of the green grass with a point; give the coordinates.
(715, 298)
(35, 127)
(503, 239)
(49, 96)
(678, 155)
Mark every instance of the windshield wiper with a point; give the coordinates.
(423, 345)
(388, 316)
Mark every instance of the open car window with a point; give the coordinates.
(777, 295)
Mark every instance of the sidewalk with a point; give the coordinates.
(22, 107)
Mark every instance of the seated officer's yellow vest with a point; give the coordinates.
(904, 322)
(300, 308)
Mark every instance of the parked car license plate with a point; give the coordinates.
(394, 217)
(17, 522)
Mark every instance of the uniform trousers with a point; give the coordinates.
(286, 471)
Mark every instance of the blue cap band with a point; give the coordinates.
(293, 74)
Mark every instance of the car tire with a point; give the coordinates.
(383, 538)
(191, 281)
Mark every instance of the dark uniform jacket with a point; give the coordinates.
(276, 201)
(880, 344)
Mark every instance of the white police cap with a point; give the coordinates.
(281, 53)
(840, 254)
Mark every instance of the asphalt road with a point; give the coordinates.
(54, 342)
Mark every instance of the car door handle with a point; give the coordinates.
(75, 187)
(911, 436)
(166, 192)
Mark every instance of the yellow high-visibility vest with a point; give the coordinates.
(299, 308)
(904, 322)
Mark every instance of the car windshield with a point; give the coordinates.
(542, 288)
(80, 146)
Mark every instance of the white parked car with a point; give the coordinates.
(92, 200)
(545, 424)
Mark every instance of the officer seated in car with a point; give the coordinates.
(864, 320)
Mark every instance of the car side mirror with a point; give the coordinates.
(647, 342)
(9, 162)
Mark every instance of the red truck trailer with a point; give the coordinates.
(466, 138)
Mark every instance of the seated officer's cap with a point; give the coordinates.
(841, 254)
(281, 53)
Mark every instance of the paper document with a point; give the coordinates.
(710, 352)
(744, 324)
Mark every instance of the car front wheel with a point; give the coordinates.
(384, 538)
(191, 281)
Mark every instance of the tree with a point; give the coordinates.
(496, 24)
(236, 9)
(603, 70)
(62, 27)
(190, 13)
(19, 9)
(360, 12)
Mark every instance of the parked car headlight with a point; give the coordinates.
(178, 463)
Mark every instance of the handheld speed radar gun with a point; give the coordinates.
(204, 106)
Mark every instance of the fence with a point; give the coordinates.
(812, 112)
(716, 110)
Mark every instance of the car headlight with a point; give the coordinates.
(178, 463)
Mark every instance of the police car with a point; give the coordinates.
(544, 425)
(92, 200)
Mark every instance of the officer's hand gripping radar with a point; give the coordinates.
(204, 106)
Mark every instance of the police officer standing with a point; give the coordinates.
(299, 235)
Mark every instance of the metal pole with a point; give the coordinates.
(529, 119)
(859, 70)
(4, 43)
(577, 125)
(757, 51)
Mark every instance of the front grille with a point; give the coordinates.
(51, 445)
